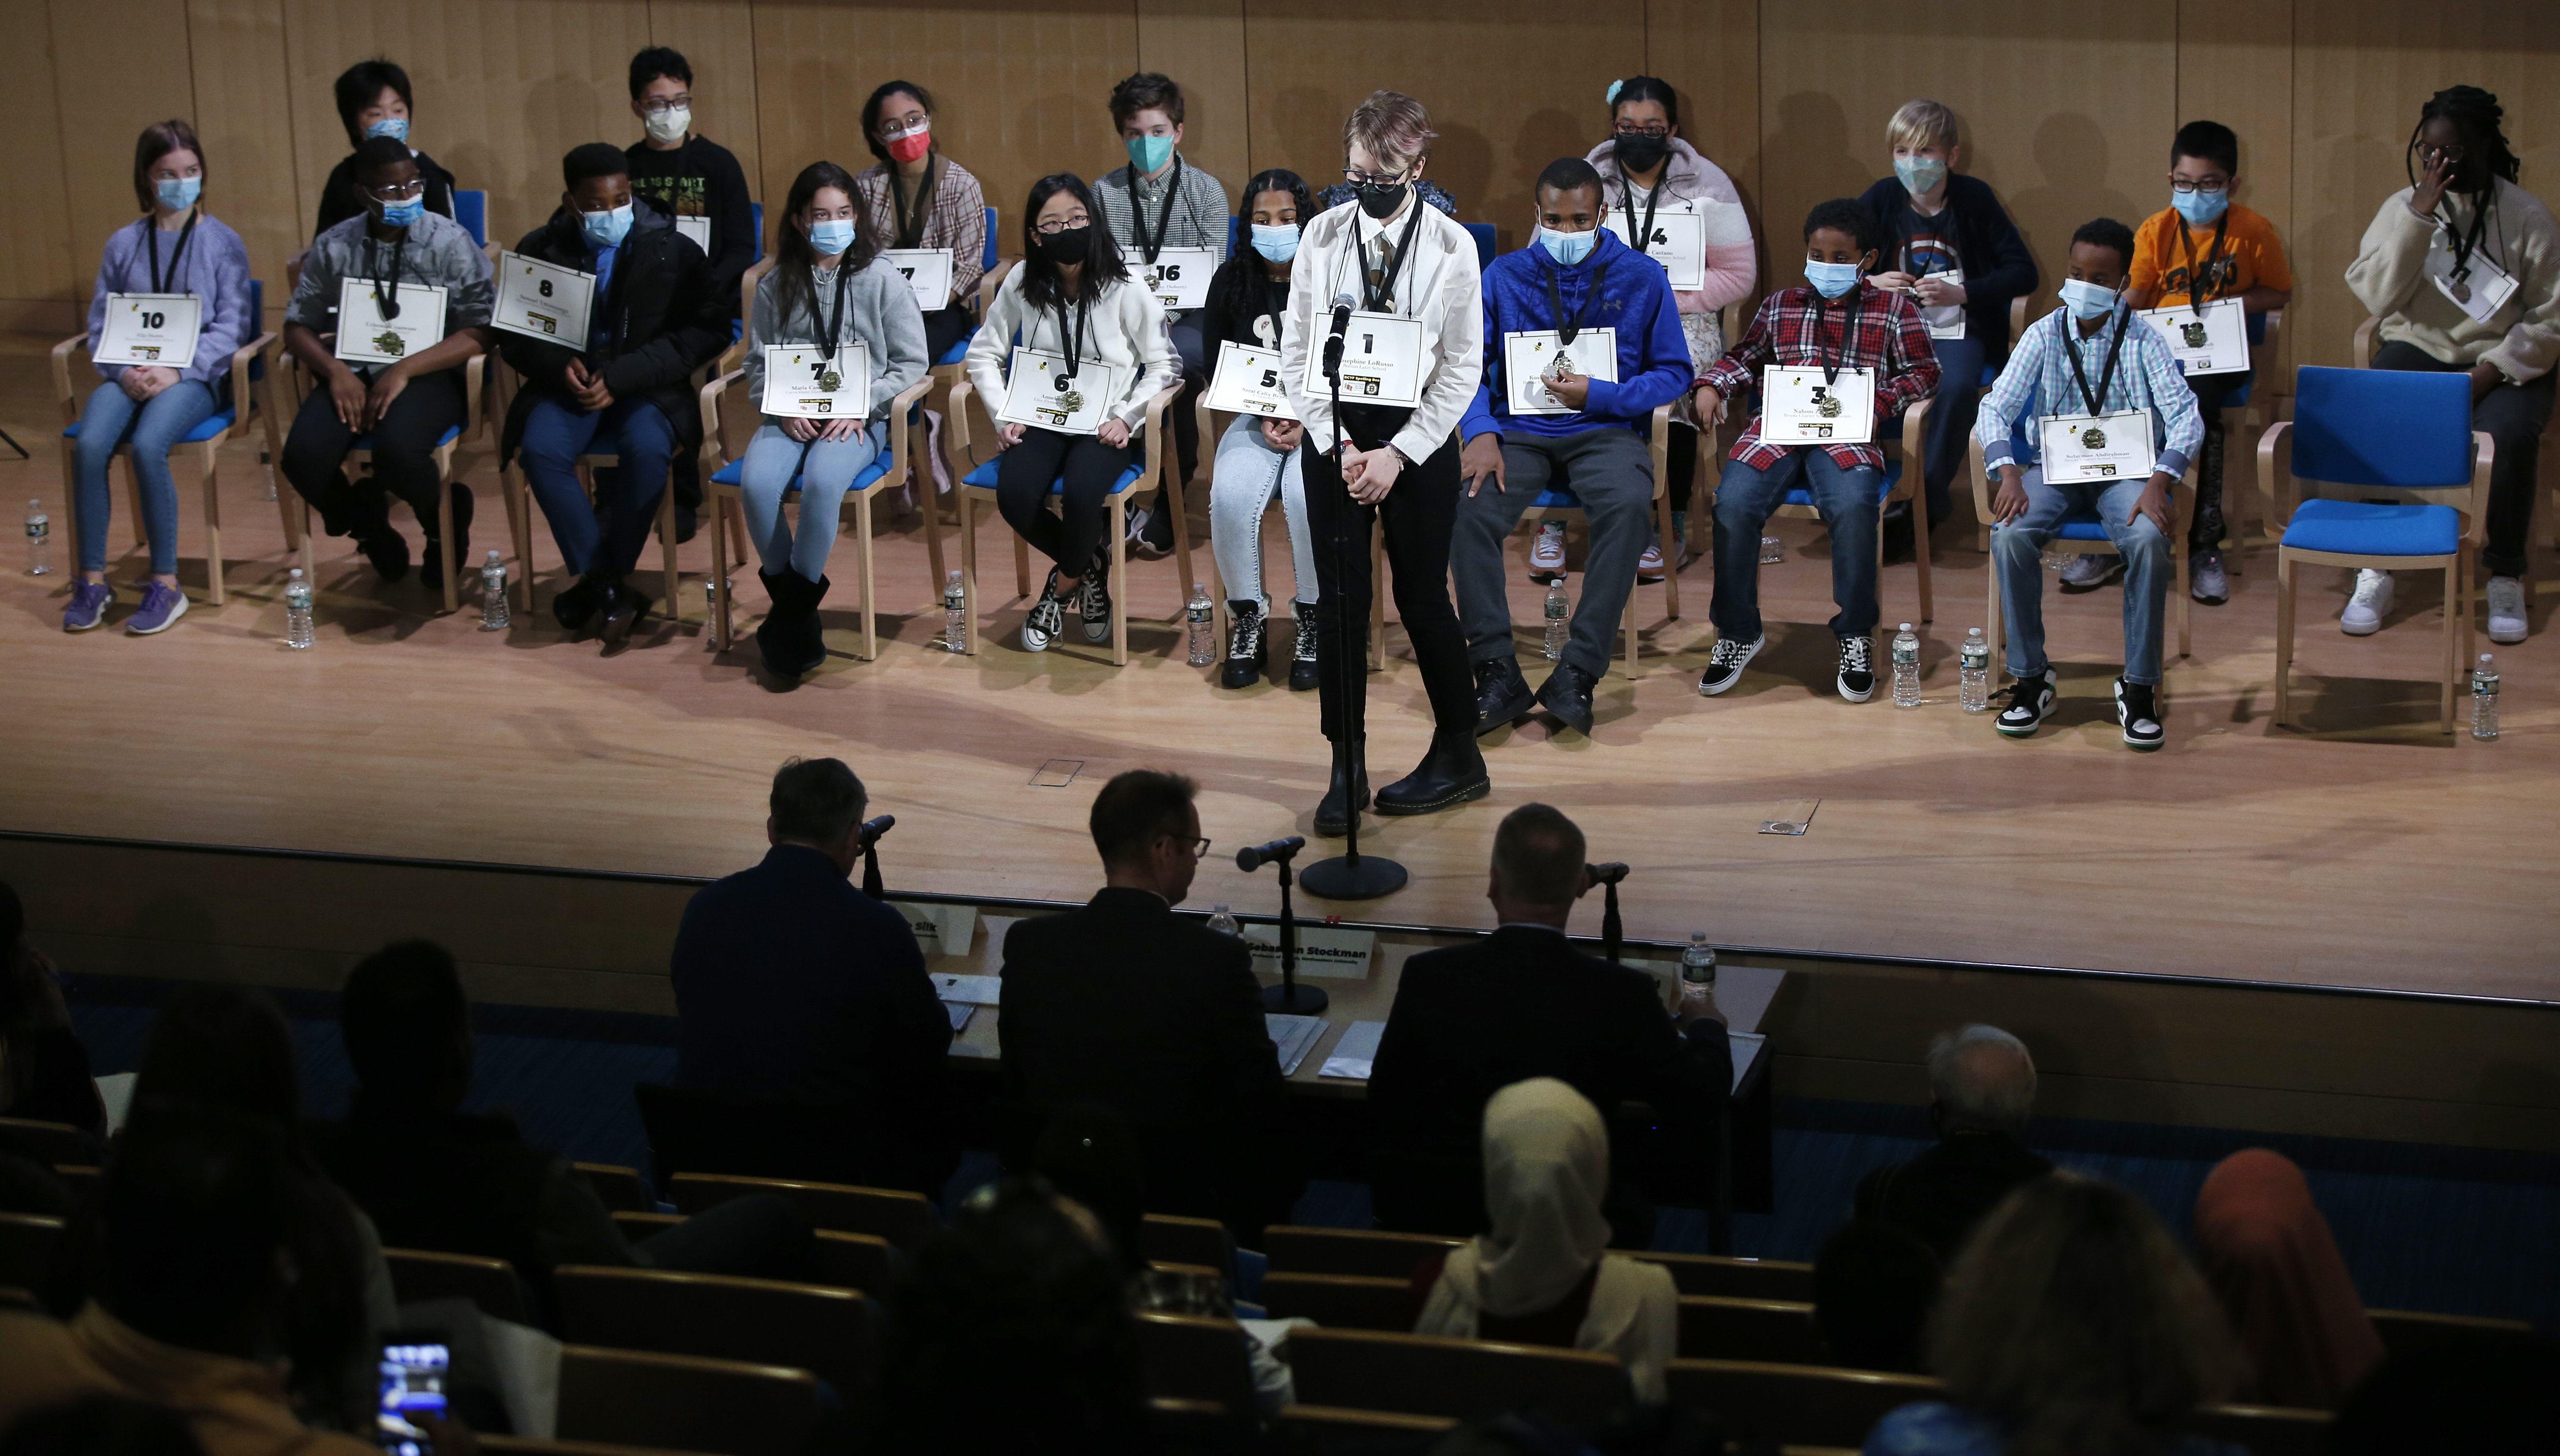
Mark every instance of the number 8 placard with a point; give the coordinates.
(542, 301)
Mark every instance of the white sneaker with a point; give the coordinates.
(1648, 566)
(2370, 603)
(2089, 571)
(2506, 622)
(1546, 553)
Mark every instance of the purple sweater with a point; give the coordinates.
(216, 269)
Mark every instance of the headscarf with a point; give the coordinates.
(2268, 1254)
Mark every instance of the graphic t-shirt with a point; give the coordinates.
(1925, 245)
(2252, 257)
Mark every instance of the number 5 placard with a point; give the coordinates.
(1248, 382)
(542, 301)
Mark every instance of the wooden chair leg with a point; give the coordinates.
(1920, 553)
(2458, 610)
(1173, 501)
(2184, 603)
(969, 569)
(929, 502)
(720, 569)
(1997, 625)
(871, 606)
(132, 492)
(1631, 634)
(444, 528)
(667, 544)
(214, 592)
(1119, 529)
(1670, 546)
(2283, 637)
(519, 521)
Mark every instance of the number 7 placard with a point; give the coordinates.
(542, 301)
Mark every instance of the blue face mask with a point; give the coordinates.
(401, 214)
(395, 127)
(178, 194)
(1569, 249)
(2200, 206)
(1919, 174)
(831, 236)
(1830, 279)
(1150, 153)
(2087, 300)
(1276, 241)
(607, 229)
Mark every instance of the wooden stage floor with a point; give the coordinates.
(2363, 849)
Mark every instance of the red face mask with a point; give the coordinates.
(913, 145)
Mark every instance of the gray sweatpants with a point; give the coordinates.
(1610, 472)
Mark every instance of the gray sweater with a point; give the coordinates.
(880, 311)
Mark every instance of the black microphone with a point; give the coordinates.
(1342, 306)
(1276, 852)
(1613, 930)
(1609, 873)
(872, 829)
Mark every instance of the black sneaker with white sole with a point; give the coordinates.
(1046, 621)
(1094, 602)
(1725, 663)
(2030, 702)
(2137, 711)
(1856, 680)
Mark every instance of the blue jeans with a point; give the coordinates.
(2017, 550)
(556, 435)
(1950, 419)
(110, 419)
(826, 469)
(1849, 503)
(1248, 474)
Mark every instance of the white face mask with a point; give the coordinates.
(670, 124)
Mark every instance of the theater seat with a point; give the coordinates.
(681, 1403)
(1425, 1374)
(901, 1217)
(1734, 1278)
(419, 1274)
(1375, 1253)
(1340, 1301)
(827, 1332)
(1717, 1327)
(27, 1243)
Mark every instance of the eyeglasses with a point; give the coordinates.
(2432, 155)
(1359, 177)
(1657, 130)
(661, 106)
(1047, 225)
(2182, 186)
(1199, 848)
(398, 192)
(892, 129)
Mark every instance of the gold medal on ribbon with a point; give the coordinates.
(389, 342)
(1828, 406)
(2194, 333)
(1072, 399)
(2460, 290)
(2093, 438)
(830, 381)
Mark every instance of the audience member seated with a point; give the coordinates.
(2485, 1391)
(43, 1070)
(1981, 1085)
(373, 100)
(189, 1309)
(1873, 1287)
(103, 1425)
(2268, 1254)
(1523, 1003)
(1158, 1017)
(434, 1176)
(1542, 1275)
(794, 987)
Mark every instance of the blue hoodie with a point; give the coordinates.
(1635, 300)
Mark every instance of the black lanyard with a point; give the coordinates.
(1644, 235)
(832, 331)
(910, 227)
(1149, 247)
(387, 289)
(1567, 328)
(2464, 246)
(151, 230)
(2107, 376)
(1848, 333)
(1381, 298)
(2195, 298)
(1073, 343)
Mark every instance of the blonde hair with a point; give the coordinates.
(1919, 123)
(1393, 126)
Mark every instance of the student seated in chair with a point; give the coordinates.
(654, 319)
(917, 197)
(1575, 278)
(1837, 319)
(374, 100)
(2087, 360)
(827, 288)
(2203, 247)
(404, 407)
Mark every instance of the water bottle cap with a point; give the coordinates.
(2484, 659)
(1698, 937)
(293, 575)
(1972, 631)
(1219, 907)
(493, 555)
(1906, 626)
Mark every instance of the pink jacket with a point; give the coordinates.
(1732, 264)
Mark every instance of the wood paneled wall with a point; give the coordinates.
(2067, 110)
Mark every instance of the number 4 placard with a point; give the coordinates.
(544, 300)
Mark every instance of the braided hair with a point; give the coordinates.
(2476, 114)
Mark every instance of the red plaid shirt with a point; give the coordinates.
(1791, 332)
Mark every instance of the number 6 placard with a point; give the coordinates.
(542, 301)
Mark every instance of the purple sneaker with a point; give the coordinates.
(162, 607)
(87, 606)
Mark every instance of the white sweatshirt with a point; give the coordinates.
(1436, 286)
(1124, 328)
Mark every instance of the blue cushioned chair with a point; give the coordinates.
(730, 420)
(297, 511)
(2373, 434)
(2547, 466)
(251, 365)
(471, 209)
(1482, 232)
(1901, 483)
(1558, 502)
(2084, 535)
(519, 497)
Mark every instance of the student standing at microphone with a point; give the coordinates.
(1389, 256)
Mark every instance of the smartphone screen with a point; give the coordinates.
(411, 1383)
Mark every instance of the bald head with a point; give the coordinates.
(1983, 1079)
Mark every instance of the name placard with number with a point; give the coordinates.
(1248, 382)
(364, 336)
(150, 328)
(1531, 357)
(696, 228)
(927, 271)
(2078, 448)
(1039, 393)
(542, 300)
(2479, 292)
(1798, 406)
(1382, 362)
(1678, 241)
(2215, 341)
(1944, 320)
(802, 383)
(1179, 278)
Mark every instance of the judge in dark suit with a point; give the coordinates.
(1158, 1017)
(1523, 1003)
(1982, 1084)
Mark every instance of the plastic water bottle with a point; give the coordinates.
(1974, 686)
(2485, 700)
(493, 595)
(1772, 551)
(1203, 623)
(266, 468)
(955, 615)
(1559, 609)
(297, 611)
(39, 541)
(2055, 557)
(1906, 668)
(1698, 963)
(1222, 918)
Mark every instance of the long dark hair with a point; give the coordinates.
(793, 257)
(1231, 290)
(878, 101)
(2476, 114)
(1102, 259)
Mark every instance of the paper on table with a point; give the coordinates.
(959, 1015)
(1322, 950)
(1293, 1037)
(1746, 1047)
(940, 930)
(976, 990)
(1354, 1051)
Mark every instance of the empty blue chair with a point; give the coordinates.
(471, 209)
(2374, 433)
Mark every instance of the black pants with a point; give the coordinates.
(404, 446)
(1024, 474)
(1680, 462)
(1417, 517)
(2514, 415)
(944, 327)
(2213, 392)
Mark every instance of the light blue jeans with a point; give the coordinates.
(110, 419)
(826, 469)
(1248, 474)
(2017, 550)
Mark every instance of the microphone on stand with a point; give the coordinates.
(1288, 998)
(1613, 931)
(1278, 851)
(1342, 306)
(867, 838)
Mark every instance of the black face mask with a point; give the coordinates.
(1067, 246)
(1382, 202)
(1638, 152)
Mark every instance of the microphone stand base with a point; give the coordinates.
(1299, 999)
(1342, 878)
